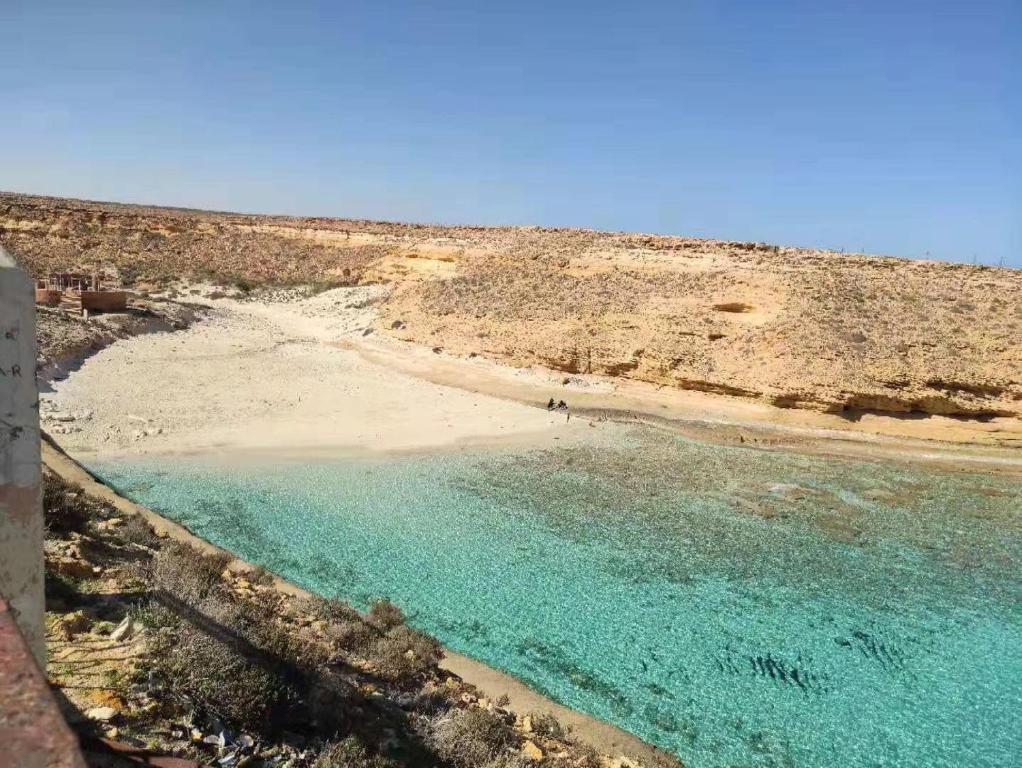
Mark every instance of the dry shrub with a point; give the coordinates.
(468, 738)
(510, 760)
(214, 668)
(187, 574)
(546, 725)
(136, 530)
(260, 576)
(329, 609)
(586, 756)
(350, 753)
(405, 655)
(355, 636)
(385, 615)
(65, 506)
(230, 658)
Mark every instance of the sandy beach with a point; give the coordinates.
(307, 375)
(271, 376)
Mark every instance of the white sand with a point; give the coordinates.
(272, 376)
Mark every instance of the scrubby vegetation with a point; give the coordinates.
(191, 658)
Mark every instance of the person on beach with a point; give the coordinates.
(563, 406)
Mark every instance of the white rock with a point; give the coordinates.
(125, 630)
(102, 714)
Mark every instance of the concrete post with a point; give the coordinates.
(21, 514)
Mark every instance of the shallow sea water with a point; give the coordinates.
(735, 606)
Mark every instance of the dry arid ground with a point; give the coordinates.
(792, 327)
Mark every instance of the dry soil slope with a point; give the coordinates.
(794, 327)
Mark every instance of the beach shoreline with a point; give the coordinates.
(310, 377)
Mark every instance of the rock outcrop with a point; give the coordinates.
(793, 327)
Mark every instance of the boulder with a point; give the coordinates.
(531, 751)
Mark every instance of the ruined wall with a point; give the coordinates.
(21, 516)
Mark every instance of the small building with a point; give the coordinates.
(88, 290)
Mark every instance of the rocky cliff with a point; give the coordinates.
(794, 327)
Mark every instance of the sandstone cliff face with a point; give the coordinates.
(793, 327)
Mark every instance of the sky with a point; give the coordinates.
(889, 127)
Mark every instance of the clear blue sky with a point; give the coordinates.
(893, 127)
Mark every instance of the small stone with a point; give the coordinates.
(124, 631)
(101, 714)
(484, 703)
(531, 751)
(527, 723)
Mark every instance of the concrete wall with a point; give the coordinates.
(21, 516)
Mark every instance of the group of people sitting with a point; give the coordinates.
(560, 406)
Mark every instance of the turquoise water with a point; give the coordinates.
(735, 606)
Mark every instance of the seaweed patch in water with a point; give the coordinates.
(773, 667)
(554, 660)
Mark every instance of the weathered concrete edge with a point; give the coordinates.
(32, 730)
(607, 738)
(21, 515)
